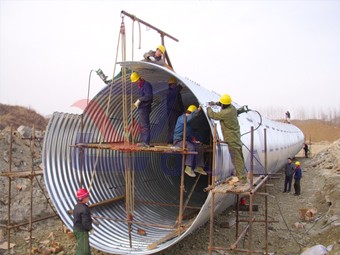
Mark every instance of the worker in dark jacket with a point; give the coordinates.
(143, 104)
(289, 173)
(155, 57)
(174, 106)
(306, 149)
(191, 161)
(82, 222)
(297, 179)
(231, 132)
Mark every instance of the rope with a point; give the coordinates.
(107, 120)
(129, 171)
(133, 36)
(129, 168)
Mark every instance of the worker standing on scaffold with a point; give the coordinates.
(174, 106)
(143, 104)
(231, 132)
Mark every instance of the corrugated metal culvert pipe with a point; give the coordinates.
(156, 175)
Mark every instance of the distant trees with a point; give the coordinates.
(330, 114)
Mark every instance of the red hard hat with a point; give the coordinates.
(82, 193)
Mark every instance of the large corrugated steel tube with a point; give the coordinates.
(157, 175)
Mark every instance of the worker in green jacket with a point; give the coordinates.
(231, 132)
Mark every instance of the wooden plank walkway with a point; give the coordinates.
(134, 148)
(237, 187)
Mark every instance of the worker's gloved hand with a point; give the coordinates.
(137, 103)
(211, 103)
(95, 222)
(92, 231)
(152, 58)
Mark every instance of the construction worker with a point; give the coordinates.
(289, 173)
(297, 179)
(82, 222)
(231, 132)
(155, 57)
(287, 120)
(143, 104)
(174, 106)
(306, 149)
(191, 161)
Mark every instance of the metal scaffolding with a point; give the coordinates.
(129, 148)
(249, 189)
(29, 174)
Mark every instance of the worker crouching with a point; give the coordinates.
(195, 162)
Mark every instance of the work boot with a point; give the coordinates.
(143, 145)
(242, 179)
(200, 170)
(188, 171)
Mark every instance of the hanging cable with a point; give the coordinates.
(133, 36)
(260, 123)
(105, 125)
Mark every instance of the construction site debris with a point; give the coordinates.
(308, 214)
(317, 250)
(4, 246)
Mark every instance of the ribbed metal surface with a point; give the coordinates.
(157, 176)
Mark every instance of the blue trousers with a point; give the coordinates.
(144, 121)
(191, 159)
(288, 183)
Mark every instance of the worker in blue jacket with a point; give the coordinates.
(143, 104)
(195, 162)
(297, 179)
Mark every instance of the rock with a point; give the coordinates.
(317, 250)
(24, 131)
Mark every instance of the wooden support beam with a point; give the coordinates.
(109, 201)
(22, 174)
(169, 236)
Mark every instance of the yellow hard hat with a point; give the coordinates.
(172, 80)
(225, 99)
(134, 77)
(192, 108)
(297, 163)
(161, 48)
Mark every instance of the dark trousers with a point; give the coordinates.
(83, 245)
(172, 119)
(288, 183)
(297, 187)
(144, 121)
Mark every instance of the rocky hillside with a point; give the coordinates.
(19, 115)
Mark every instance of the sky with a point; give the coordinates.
(268, 55)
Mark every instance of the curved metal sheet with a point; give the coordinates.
(157, 176)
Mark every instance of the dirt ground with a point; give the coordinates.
(290, 235)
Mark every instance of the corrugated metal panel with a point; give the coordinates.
(157, 176)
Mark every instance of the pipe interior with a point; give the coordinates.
(156, 175)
